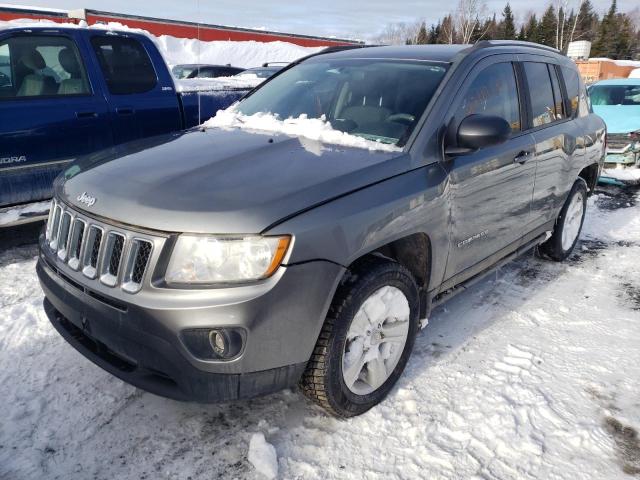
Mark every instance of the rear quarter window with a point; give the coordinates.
(572, 84)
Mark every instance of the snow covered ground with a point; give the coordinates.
(531, 374)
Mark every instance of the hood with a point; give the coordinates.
(619, 118)
(220, 181)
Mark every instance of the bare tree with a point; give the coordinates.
(562, 7)
(467, 18)
(399, 33)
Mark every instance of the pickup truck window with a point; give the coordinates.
(41, 66)
(543, 104)
(5, 67)
(493, 92)
(125, 65)
(377, 99)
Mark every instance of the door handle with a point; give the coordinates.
(86, 115)
(522, 157)
(125, 111)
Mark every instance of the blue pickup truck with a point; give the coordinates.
(67, 92)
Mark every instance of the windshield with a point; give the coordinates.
(377, 99)
(615, 95)
(181, 72)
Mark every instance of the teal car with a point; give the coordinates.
(617, 101)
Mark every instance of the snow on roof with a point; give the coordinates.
(621, 63)
(317, 129)
(29, 7)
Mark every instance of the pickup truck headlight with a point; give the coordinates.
(225, 258)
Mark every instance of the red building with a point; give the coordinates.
(174, 28)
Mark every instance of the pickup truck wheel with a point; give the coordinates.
(568, 225)
(366, 339)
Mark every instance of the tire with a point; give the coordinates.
(565, 236)
(378, 282)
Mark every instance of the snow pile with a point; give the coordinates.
(239, 54)
(183, 50)
(635, 73)
(317, 129)
(629, 175)
(262, 456)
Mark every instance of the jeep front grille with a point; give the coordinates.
(103, 253)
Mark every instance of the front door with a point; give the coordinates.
(50, 113)
(490, 189)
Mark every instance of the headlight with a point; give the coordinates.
(225, 258)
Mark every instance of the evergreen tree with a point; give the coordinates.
(531, 30)
(547, 27)
(507, 30)
(434, 33)
(624, 39)
(422, 37)
(605, 42)
(587, 23)
(522, 34)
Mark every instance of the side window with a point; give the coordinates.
(557, 93)
(6, 76)
(493, 92)
(572, 84)
(41, 66)
(543, 108)
(125, 65)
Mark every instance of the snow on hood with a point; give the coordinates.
(317, 129)
(246, 82)
(619, 118)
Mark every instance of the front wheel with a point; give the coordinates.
(568, 225)
(366, 339)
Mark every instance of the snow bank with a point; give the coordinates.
(262, 456)
(239, 54)
(635, 73)
(34, 209)
(312, 128)
(183, 50)
(630, 175)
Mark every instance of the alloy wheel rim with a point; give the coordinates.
(376, 339)
(573, 221)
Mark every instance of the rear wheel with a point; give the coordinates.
(366, 339)
(568, 225)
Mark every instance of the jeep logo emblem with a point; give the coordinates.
(87, 199)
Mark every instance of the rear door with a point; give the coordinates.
(559, 140)
(491, 188)
(51, 112)
(138, 86)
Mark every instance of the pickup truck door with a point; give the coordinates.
(51, 111)
(138, 86)
(490, 189)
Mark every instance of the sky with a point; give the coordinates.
(361, 19)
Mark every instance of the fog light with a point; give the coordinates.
(214, 343)
(219, 342)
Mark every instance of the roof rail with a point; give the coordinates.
(513, 43)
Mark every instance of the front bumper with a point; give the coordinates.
(142, 345)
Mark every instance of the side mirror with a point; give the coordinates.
(480, 131)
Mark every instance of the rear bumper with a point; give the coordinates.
(143, 346)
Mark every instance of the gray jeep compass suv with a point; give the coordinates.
(224, 263)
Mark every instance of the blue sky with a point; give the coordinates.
(354, 18)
